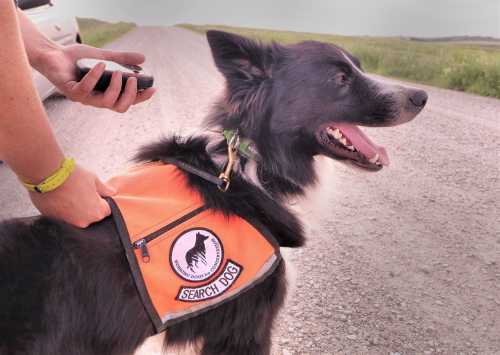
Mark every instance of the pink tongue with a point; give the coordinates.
(362, 143)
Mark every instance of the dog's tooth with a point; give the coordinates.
(336, 133)
(343, 141)
(331, 133)
(350, 147)
(374, 159)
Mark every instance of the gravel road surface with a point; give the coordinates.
(404, 261)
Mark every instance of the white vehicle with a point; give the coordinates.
(60, 29)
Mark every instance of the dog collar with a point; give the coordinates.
(236, 145)
(246, 147)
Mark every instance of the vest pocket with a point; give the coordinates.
(142, 244)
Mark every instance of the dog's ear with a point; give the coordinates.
(239, 58)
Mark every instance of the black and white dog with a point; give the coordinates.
(69, 291)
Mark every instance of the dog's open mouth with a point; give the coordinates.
(347, 142)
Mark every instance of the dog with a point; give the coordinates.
(70, 291)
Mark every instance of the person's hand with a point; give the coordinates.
(59, 66)
(78, 201)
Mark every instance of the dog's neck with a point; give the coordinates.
(246, 168)
(207, 153)
(255, 171)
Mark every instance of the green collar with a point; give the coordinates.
(246, 147)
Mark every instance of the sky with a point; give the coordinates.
(423, 18)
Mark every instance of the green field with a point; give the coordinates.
(97, 33)
(469, 67)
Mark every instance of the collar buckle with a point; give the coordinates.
(232, 156)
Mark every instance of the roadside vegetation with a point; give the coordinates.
(471, 67)
(98, 33)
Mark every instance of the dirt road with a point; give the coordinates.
(404, 261)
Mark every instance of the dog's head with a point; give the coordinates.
(201, 237)
(305, 99)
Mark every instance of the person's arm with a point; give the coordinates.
(57, 63)
(27, 143)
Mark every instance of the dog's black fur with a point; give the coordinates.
(70, 291)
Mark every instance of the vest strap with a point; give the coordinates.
(200, 173)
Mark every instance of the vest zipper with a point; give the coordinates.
(142, 244)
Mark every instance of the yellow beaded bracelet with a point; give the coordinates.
(55, 180)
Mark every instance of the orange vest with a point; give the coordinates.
(184, 257)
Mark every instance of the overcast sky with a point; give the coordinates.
(347, 17)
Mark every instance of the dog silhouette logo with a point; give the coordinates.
(196, 254)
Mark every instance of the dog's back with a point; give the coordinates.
(75, 287)
(57, 283)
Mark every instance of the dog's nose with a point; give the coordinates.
(418, 98)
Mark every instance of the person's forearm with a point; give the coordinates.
(37, 45)
(27, 143)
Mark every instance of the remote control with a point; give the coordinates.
(143, 81)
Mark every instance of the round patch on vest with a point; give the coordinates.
(196, 254)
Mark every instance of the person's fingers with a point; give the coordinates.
(109, 97)
(85, 87)
(144, 95)
(103, 189)
(112, 93)
(124, 57)
(94, 99)
(101, 208)
(84, 51)
(105, 209)
(128, 96)
(79, 223)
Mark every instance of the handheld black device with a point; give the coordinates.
(143, 81)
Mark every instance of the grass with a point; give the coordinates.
(465, 67)
(98, 33)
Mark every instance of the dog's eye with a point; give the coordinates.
(340, 78)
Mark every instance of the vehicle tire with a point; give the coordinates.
(78, 38)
